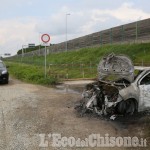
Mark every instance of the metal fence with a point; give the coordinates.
(130, 33)
(70, 70)
(73, 70)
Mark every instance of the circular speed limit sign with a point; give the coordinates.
(45, 38)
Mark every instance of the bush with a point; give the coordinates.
(48, 81)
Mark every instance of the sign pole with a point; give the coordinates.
(45, 60)
(45, 39)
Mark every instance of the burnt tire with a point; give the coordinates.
(128, 107)
(132, 106)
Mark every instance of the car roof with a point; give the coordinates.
(141, 68)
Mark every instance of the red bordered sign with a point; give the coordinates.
(45, 38)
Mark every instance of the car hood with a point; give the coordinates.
(118, 65)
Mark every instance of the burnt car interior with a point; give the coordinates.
(145, 80)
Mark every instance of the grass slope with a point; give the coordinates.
(30, 73)
(139, 53)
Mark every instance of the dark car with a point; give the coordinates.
(4, 75)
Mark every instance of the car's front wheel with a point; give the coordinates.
(7, 81)
(127, 107)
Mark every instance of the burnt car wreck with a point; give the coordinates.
(118, 90)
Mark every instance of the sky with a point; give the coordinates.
(24, 21)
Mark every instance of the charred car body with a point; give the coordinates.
(123, 95)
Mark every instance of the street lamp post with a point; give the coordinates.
(23, 49)
(40, 43)
(66, 32)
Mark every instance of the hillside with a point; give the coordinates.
(137, 52)
(78, 64)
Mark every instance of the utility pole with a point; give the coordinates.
(66, 32)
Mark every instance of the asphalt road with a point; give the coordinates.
(28, 111)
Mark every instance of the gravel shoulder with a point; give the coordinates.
(28, 110)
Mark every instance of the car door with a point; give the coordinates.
(144, 88)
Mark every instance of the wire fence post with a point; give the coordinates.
(67, 74)
(80, 68)
(111, 36)
(136, 32)
(90, 66)
(83, 73)
(122, 33)
(101, 40)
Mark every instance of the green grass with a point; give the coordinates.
(139, 53)
(29, 73)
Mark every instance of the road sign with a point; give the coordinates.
(7, 54)
(45, 38)
(31, 45)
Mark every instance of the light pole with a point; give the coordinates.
(66, 32)
(23, 49)
(40, 42)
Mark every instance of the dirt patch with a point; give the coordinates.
(28, 110)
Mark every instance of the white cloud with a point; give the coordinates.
(88, 21)
(125, 13)
(96, 19)
(16, 32)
